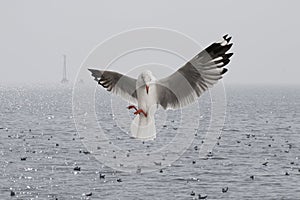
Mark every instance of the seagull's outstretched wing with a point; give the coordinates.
(196, 76)
(117, 83)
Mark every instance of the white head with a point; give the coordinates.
(145, 78)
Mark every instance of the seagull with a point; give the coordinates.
(183, 87)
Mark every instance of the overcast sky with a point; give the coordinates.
(34, 34)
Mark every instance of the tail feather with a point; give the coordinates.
(143, 128)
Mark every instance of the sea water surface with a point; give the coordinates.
(43, 157)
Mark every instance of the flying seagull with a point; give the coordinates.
(175, 91)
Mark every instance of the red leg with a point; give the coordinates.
(132, 107)
(140, 111)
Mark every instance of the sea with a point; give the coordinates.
(45, 152)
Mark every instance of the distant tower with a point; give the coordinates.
(64, 79)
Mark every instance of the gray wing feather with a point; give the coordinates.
(195, 77)
(116, 83)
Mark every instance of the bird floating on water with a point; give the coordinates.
(224, 190)
(12, 193)
(202, 197)
(181, 88)
(88, 194)
(102, 176)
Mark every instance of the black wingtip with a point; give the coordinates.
(95, 74)
(228, 55)
(224, 71)
(229, 45)
(91, 70)
(227, 39)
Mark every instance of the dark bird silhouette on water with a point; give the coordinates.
(89, 194)
(265, 163)
(224, 190)
(102, 176)
(12, 193)
(77, 168)
(202, 197)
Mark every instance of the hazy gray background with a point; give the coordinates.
(35, 34)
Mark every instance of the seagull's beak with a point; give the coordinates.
(147, 88)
